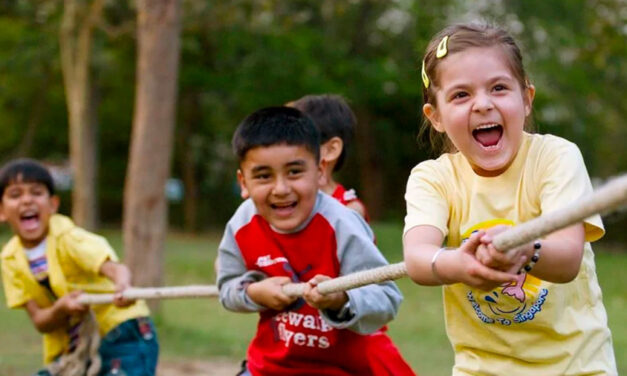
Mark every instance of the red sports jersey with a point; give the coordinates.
(347, 196)
(388, 362)
(298, 340)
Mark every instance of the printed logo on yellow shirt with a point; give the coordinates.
(514, 302)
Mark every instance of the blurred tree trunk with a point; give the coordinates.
(145, 205)
(79, 20)
(192, 114)
(369, 164)
(370, 169)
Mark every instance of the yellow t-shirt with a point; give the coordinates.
(531, 327)
(74, 259)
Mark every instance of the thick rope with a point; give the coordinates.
(351, 281)
(153, 293)
(607, 198)
(85, 359)
(611, 196)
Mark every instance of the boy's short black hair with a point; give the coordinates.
(26, 170)
(274, 126)
(333, 117)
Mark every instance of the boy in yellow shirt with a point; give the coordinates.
(47, 263)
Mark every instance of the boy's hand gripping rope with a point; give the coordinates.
(607, 198)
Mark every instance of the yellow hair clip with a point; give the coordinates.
(441, 51)
(425, 78)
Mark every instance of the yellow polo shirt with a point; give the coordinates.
(531, 327)
(74, 259)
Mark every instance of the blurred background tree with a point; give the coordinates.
(79, 20)
(237, 56)
(145, 203)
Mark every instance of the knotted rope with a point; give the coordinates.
(85, 359)
(607, 198)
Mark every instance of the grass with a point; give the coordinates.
(202, 329)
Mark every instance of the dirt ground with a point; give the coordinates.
(215, 367)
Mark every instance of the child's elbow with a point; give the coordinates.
(568, 274)
(40, 320)
(414, 273)
(43, 327)
(415, 278)
(43, 330)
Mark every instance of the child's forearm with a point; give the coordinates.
(427, 264)
(560, 255)
(371, 307)
(47, 319)
(418, 263)
(233, 294)
(420, 245)
(118, 273)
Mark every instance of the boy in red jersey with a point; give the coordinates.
(336, 122)
(288, 231)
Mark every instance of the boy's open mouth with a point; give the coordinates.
(488, 135)
(29, 220)
(284, 206)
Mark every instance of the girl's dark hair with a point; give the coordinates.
(333, 117)
(25, 170)
(460, 38)
(274, 126)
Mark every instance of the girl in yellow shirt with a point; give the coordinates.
(537, 309)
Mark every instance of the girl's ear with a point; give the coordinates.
(434, 116)
(242, 185)
(530, 93)
(3, 217)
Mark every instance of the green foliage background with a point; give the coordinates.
(240, 55)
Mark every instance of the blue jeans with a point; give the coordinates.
(132, 347)
(244, 369)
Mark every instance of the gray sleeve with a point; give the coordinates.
(371, 306)
(233, 276)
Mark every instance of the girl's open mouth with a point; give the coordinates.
(488, 135)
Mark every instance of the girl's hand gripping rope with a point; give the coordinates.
(511, 261)
(466, 268)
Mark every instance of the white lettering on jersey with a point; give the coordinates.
(263, 261)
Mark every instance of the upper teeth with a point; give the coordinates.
(485, 126)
